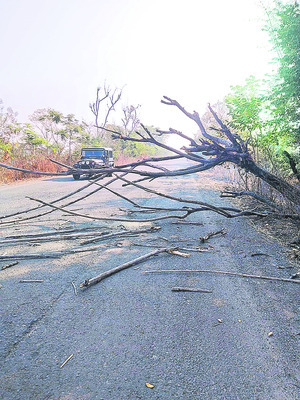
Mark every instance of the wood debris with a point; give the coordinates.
(188, 289)
(260, 254)
(176, 252)
(133, 232)
(9, 265)
(203, 239)
(149, 385)
(187, 223)
(74, 287)
(207, 271)
(67, 360)
(106, 274)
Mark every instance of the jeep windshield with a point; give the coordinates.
(93, 153)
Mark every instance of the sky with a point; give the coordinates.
(55, 53)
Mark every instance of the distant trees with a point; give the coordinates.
(50, 133)
(10, 129)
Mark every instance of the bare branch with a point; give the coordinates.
(114, 98)
(209, 207)
(225, 130)
(172, 131)
(28, 171)
(262, 199)
(207, 271)
(184, 215)
(106, 274)
(57, 200)
(195, 117)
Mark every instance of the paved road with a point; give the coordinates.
(131, 328)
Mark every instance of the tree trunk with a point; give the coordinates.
(292, 193)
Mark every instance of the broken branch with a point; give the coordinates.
(203, 239)
(67, 360)
(106, 274)
(270, 278)
(122, 233)
(187, 289)
(9, 265)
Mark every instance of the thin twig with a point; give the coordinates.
(186, 213)
(35, 172)
(57, 254)
(186, 223)
(9, 265)
(67, 360)
(74, 287)
(270, 278)
(188, 289)
(262, 199)
(122, 233)
(211, 234)
(55, 201)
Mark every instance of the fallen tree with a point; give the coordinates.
(207, 152)
(211, 149)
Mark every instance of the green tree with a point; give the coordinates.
(283, 26)
(33, 141)
(49, 123)
(267, 112)
(245, 106)
(10, 131)
(71, 133)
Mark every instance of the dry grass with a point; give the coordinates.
(39, 163)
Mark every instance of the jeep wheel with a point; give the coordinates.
(111, 166)
(76, 177)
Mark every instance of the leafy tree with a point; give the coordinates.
(33, 140)
(49, 123)
(71, 133)
(10, 130)
(284, 30)
(268, 112)
(245, 105)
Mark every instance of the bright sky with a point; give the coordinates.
(55, 53)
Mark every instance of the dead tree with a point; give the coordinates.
(130, 119)
(104, 104)
(212, 149)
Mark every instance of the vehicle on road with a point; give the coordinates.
(93, 158)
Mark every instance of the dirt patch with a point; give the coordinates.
(284, 230)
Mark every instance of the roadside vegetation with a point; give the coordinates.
(51, 134)
(266, 113)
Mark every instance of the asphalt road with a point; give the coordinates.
(237, 343)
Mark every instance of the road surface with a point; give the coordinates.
(237, 343)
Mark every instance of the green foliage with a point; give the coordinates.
(284, 88)
(33, 139)
(267, 112)
(245, 105)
